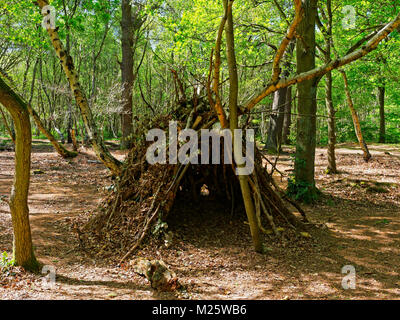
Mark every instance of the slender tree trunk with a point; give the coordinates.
(332, 169)
(69, 126)
(287, 120)
(73, 138)
(307, 104)
(382, 129)
(62, 151)
(7, 126)
(67, 49)
(27, 66)
(331, 125)
(356, 121)
(274, 139)
(233, 107)
(276, 120)
(127, 73)
(216, 76)
(12, 127)
(22, 248)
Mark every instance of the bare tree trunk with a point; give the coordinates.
(332, 169)
(70, 123)
(233, 107)
(274, 139)
(73, 138)
(131, 23)
(67, 48)
(277, 118)
(356, 121)
(382, 125)
(287, 120)
(307, 104)
(218, 108)
(331, 126)
(22, 247)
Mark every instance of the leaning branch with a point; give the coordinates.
(61, 150)
(356, 121)
(95, 138)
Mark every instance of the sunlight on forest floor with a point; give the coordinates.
(358, 218)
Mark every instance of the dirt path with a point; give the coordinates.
(359, 218)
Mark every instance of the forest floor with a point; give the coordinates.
(358, 218)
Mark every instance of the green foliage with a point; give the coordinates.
(180, 34)
(5, 262)
(159, 228)
(392, 117)
(302, 191)
(370, 126)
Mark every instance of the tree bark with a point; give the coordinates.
(67, 48)
(382, 125)
(127, 73)
(287, 120)
(131, 23)
(307, 104)
(233, 107)
(22, 245)
(332, 169)
(276, 119)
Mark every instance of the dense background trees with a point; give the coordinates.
(164, 35)
(123, 62)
